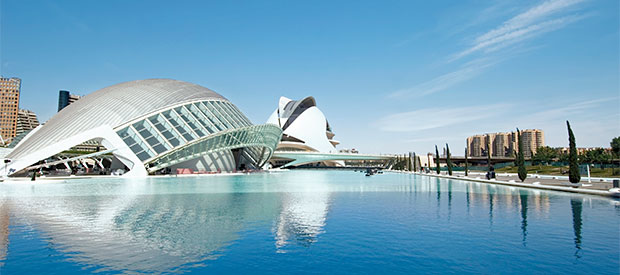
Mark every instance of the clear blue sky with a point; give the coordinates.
(391, 76)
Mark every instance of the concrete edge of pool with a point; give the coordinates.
(524, 185)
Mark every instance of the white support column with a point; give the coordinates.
(100, 163)
(66, 164)
(84, 163)
(111, 140)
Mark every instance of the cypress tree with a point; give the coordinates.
(573, 166)
(448, 161)
(407, 163)
(437, 162)
(466, 163)
(489, 151)
(414, 163)
(520, 159)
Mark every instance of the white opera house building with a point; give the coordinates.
(304, 128)
(150, 125)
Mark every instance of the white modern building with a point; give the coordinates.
(150, 125)
(304, 128)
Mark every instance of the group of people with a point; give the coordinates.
(491, 173)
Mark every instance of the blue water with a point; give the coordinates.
(337, 222)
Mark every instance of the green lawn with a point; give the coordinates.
(560, 171)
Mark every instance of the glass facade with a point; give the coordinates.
(255, 139)
(193, 129)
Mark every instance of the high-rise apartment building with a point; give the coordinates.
(26, 120)
(476, 145)
(65, 98)
(505, 144)
(532, 140)
(9, 104)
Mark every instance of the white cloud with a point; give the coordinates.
(573, 109)
(543, 18)
(528, 24)
(431, 118)
(528, 17)
(466, 72)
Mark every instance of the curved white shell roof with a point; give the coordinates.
(306, 123)
(114, 106)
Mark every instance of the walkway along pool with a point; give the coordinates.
(303, 221)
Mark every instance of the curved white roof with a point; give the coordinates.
(114, 106)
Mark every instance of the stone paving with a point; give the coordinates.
(543, 180)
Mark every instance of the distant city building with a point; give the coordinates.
(582, 150)
(505, 144)
(26, 120)
(92, 145)
(65, 98)
(532, 140)
(9, 93)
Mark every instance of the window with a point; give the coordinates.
(130, 137)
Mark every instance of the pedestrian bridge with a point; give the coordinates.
(303, 157)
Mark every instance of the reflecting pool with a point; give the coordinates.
(303, 221)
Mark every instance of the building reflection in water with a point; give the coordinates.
(4, 230)
(174, 231)
(144, 233)
(303, 213)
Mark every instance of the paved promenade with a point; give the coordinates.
(598, 186)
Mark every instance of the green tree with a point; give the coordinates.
(573, 166)
(605, 158)
(448, 161)
(437, 160)
(466, 163)
(615, 151)
(545, 155)
(521, 159)
(563, 157)
(414, 163)
(615, 146)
